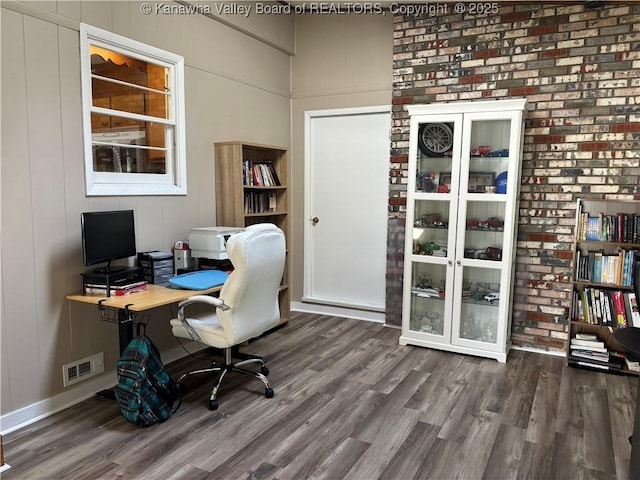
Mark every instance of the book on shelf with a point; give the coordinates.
(631, 305)
(601, 357)
(587, 336)
(595, 266)
(632, 362)
(591, 345)
(619, 228)
(633, 366)
(259, 174)
(260, 202)
(613, 364)
(618, 305)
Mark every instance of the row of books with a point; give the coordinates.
(115, 290)
(260, 202)
(598, 267)
(587, 350)
(620, 227)
(611, 308)
(259, 174)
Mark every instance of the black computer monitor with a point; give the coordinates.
(107, 236)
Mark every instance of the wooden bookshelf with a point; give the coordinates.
(607, 233)
(241, 202)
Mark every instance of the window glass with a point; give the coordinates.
(133, 103)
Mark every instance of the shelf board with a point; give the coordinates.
(265, 214)
(258, 187)
(630, 246)
(587, 283)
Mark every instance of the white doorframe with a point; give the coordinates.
(311, 302)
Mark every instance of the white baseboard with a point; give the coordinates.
(25, 416)
(322, 309)
(539, 350)
(36, 411)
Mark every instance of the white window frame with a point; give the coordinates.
(174, 181)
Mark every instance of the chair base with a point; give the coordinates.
(230, 366)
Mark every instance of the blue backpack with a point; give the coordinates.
(145, 392)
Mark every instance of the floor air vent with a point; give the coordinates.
(81, 369)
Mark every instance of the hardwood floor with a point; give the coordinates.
(351, 403)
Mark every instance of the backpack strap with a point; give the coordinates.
(141, 327)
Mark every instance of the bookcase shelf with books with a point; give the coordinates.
(252, 187)
(607, 236)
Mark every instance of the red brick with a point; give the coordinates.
(554, 53)
(524, 91)
(402, 100)
(587, 146)
(537, 317)
(399, 158)
(543, 29)
(397, 201)
(625, 127)
(542, 237)
(514, 17)
(548, 139)
(472, 79)
(489, 53)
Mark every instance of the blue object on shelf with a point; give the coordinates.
(199, 280)
(501, 183)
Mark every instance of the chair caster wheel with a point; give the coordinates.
(268, 392)
(213, 404)
(264, 371)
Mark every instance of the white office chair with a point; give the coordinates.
(247, 306)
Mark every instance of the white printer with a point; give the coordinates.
(211, 242)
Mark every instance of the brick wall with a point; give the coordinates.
(580, 71)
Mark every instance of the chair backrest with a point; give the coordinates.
(251, 291)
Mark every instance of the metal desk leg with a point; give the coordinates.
(125, 327)
(125, 335)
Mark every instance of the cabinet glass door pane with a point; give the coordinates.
(479, 307)
(430, 249)
(489, 156)
(484, 230)
(431, 228)
(427, 298)
(435, 149)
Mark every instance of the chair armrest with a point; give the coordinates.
(213, 301)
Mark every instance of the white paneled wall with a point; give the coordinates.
(237, 88)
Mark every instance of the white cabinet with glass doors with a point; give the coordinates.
(464, 175)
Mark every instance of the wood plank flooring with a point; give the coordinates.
(351, 403)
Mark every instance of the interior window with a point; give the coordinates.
(133, 102)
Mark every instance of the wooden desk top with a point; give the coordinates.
(153, 296)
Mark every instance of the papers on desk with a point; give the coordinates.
(118, 291)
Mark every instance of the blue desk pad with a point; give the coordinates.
(199, 280)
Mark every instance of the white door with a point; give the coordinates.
(346, 197)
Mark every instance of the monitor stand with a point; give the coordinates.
(119, 275)
(108, 270)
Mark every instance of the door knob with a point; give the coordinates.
(315, 220)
